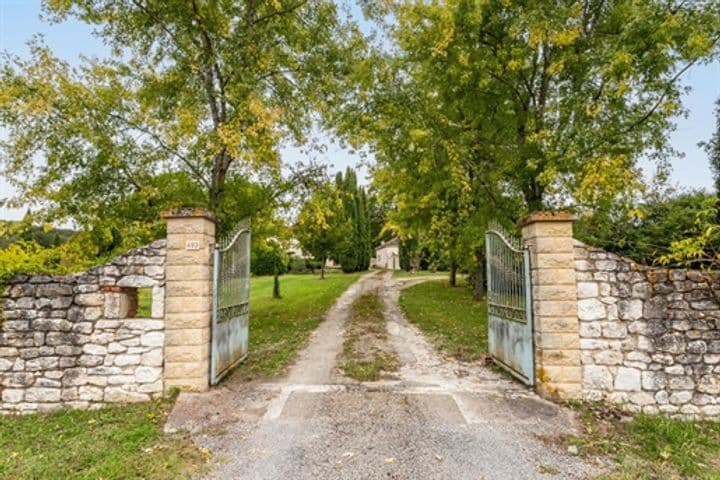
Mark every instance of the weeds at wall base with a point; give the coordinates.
(645, 446)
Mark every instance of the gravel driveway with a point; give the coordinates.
(438, 420)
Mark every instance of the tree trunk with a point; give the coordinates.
(415, 264)
(221, 164)
(453, 273)
(479, 275)
(322, 268)
(533, 194)
(276, 284)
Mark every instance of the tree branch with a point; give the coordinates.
(276, 13)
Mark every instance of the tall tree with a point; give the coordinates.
(366, 246)
(556, 101)
(208, 88)
(496, 108)
(356, 255)
(322, 227)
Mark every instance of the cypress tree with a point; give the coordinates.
(366, 241)
(346, 257)
(356, 246)
(356, 256)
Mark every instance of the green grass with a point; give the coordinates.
(454, 322)
(279, 328)
(650, 447)
(112, 443)
(366, 357)
(373, 369)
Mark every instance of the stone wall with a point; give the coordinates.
(649, 337)
(73, 340)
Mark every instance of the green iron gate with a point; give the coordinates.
(510, 321)
(231, 302)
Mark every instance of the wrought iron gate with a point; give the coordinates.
(510, 322)
(231, 302)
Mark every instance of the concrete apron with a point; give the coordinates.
(438, 419)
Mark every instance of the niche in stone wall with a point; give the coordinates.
(120, 302)
(134, 297)
(132, 302)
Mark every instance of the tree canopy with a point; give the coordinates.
(493, 109)
(555, 101)
(322, 228)
(196, 95)
(472, 110)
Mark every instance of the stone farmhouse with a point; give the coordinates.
(387, 255)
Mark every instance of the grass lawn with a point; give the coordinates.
(144, 306)
(279, 328)
(113, 443)
(454, 322)
(650, 447)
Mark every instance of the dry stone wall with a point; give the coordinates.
(74, 340)
(649, 337)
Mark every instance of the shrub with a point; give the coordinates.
(30, 257)
(652, 232)
(297, 265)
(311, 264)
(701, 246)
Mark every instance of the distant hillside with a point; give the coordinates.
(53, 237)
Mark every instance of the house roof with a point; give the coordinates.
(393, 242)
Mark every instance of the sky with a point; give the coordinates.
(20, 20)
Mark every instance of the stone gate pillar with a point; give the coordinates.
(188, 298)
(549, 237)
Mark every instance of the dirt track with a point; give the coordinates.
(439, 419)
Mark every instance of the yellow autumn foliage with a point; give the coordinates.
(607, 176)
